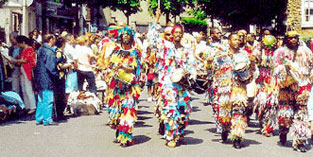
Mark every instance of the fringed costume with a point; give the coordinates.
(266, 99)
(123, 91)
(293, 69)
(230, 97)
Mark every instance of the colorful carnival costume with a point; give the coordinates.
(229, 81)
(214, 49)
(173, 108)
(123, 91)
(293, 69)
(266, 99)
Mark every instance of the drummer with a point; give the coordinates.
(229, 90)
(123, 88)
(173, 109)
(293, 69)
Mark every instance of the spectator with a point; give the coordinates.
(27, 62)
(45, 74)
(69, 52)
(37, 36)
(84, 58)
(63, 68)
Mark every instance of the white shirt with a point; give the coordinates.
(83, 54)
(69, 52)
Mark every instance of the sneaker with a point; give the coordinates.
(40, 123)
(51, 124)
(237, 144)
(31, 111)
(171, 144)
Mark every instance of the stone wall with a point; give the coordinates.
(294, 15)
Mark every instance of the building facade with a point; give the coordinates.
(17, 16)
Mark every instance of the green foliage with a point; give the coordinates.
(193, 21)
(244, 12)
(173, 7)
(128, 7)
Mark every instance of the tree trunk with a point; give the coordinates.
(167, 17)
(127, 17)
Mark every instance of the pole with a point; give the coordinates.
(159, 4)
(24, 25)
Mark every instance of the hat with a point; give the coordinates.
(269, 40)
(292, 33)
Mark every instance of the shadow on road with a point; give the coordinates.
(245, 142)
(191, 141)
(15, 119)
(195, 109)
(211, 130)
(287, 144)
(187, 132)
(198, 122)
(141, 125)
(139, 139)
(144, 112)
(248, 142)
(252, 131)
(219, 140)
(139, 107)
(143, 118)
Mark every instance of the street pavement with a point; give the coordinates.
(90, 136)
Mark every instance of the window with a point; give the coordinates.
(307, 13)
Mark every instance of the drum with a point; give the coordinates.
(200, 85)
(243, 71)
(124, 77)
(180, 77)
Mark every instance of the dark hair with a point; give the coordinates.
(59, 42)
(35, 44)
(23, 39)
(48, 37)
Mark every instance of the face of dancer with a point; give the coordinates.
(178, 34)
(293, 41)
(168, 35)
(126, 38)
(216, 35)
(234, 42)
(250, 38)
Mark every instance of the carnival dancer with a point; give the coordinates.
(293, 68)
(266, 99)
(232, 71)
(123, 88)
(173, 108)
(215, 47)
(165, 62)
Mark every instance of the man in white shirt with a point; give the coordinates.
(70, 53)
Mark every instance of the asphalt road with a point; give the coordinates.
(90, 136)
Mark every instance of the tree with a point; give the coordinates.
(128, 7)
(241, 13)
(170, 7)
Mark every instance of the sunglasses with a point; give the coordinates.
(168, 34)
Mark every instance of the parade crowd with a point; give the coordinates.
(238, 73)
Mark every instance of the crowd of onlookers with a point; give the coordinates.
(43, 69)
